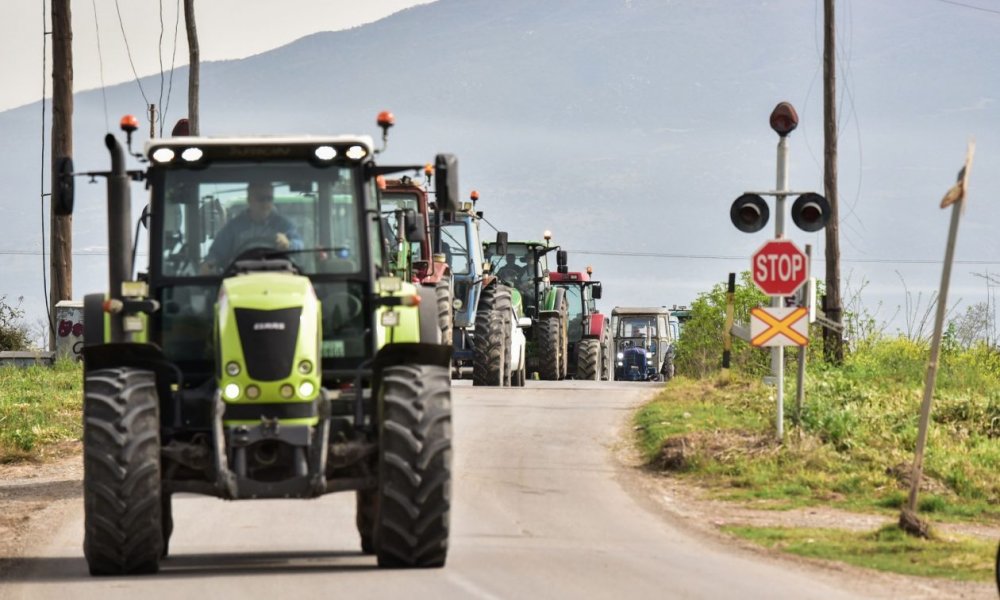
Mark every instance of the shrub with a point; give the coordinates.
(13, 332)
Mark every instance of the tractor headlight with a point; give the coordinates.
(231, 391)
(457, 303)
(621, 355)
(163, 155)
(306, 389)
(287, 391)
(192, 154)
(326, 152)
(232, 368)
(305, 367)
(253, 392)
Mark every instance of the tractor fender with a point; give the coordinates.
(96, 329)
(596, 326)
(436, 272)
(132, 354)
(553, 300)
(430, 333)
(411, 353)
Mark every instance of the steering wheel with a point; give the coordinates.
(339, 302)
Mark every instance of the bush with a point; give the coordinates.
(699, 350)
(13, 332)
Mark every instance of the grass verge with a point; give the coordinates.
(40, 407)
(887, 549)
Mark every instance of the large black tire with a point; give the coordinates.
(414, 495)
(607, 358)
(548, 336)
(489, 353)
(446, 317)
(588, 359)
(122, 496)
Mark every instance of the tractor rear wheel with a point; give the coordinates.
(548, 337)
(367, 511)
(414, 492)
(122, 495)
(588, 359)
(445, 315)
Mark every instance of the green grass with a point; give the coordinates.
(853, 450)
(887, 549)
(40, 407)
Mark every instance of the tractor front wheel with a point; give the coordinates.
(414, 492)
(445, 310)
(588, 362)
(122, 497)
(549, 337)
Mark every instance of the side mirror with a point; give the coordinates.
(446, 182)
(501, 247)
(595, 291)
(414, 230)
(65, 189)
(561, 261)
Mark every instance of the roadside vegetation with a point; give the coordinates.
(852, 445)
(40, 410)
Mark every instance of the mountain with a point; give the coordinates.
(625, 127)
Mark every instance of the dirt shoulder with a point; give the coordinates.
(35, 497)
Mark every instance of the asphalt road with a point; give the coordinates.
(542, 509)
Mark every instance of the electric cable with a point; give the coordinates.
(173, 64)
(41, 203)
(128, 51)
(100, 62)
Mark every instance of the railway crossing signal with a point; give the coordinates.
(779, 326)
(779, 268)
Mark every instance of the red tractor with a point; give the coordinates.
(406, 212)
(590, 349)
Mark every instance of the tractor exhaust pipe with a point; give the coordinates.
(119, 235)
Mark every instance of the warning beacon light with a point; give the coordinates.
(784, 119)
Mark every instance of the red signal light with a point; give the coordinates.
(386, 119)
(474, 195)
(784, 119)
(129, 123)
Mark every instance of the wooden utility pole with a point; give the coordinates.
(61, 226)
(833, 340)
(193, 66)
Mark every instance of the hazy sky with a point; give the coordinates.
(226, 29)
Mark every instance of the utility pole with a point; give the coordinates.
(193, 66)
(61, 226)
(833, 340)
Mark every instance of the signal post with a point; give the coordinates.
(778, 267)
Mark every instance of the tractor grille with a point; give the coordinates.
(268, 338)
(635, 357)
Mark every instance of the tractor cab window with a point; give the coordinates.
(574, 296)
(637, 327)
(214, 216)
(391, 206)
(516, 268)
(455, 247)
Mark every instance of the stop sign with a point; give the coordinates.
(779, 268)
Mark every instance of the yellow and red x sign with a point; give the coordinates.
(779, 326)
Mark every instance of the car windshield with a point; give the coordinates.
(212, 216)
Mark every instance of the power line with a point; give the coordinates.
(128, 51)
(100, 62)
(918, 261)
(963, 5)
(41, 190)
(173, 63)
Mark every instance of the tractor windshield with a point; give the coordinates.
(516, 268)
(212, 216)
(455, 248)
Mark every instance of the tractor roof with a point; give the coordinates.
(265, 146)
(572, 277)
(640, 310)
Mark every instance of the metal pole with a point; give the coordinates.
(800, 391)
(778, 352)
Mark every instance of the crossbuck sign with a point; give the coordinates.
(779, 326)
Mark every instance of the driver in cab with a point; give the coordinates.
(257, 226)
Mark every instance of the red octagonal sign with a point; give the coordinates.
(779, 268)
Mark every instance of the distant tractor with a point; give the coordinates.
(488, 324)
(261, 355)
(645, 344)
(406, 217)
(590, 349)
(524, 267)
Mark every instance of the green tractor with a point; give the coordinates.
(274, 357)
(523, 266)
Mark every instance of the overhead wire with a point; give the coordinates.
(159, 55)
(100, 62)
(42, 194)
(128, 51)
(173, 64)
(963, 5)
